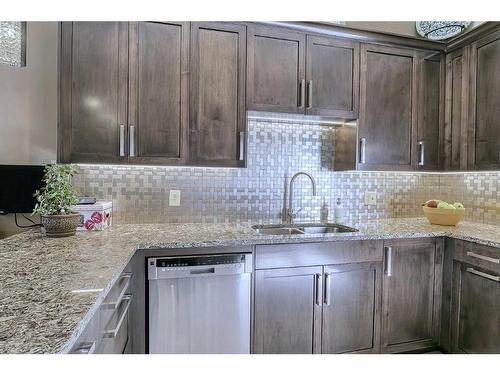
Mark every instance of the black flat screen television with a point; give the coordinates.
(17, 185)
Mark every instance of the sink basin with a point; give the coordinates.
(327, 228)
(276, 229)
(284, 229)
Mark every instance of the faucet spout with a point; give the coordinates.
(290, 212)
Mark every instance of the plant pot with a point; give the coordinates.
(60, 225)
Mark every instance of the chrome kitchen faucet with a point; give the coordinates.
(289, 214)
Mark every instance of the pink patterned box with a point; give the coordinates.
(95, 216)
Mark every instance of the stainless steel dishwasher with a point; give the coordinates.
(200, 304)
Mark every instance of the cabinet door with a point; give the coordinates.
(288, 310)
(476, 310)
(93, 92)
(387, 110)
(456, 110)
(332, 74)
(276, 79)
(218, 122)
(485, 103)
(411, 295)
(429, 142)
(158, 92)
(351, 309)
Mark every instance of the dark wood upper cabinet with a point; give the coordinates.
(275, 70)
(288, 311)
(332, 77)
(351, 308)
(218, 119)
(456, 110)
(158, 92)
(93, 92)
(484, 140)
(429, 141)
(387, 115)
(411, 295)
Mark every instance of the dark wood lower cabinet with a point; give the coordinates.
(475, 310)
(287, 310)
(330, 309)
(411, 295)
(471, 320)
(305, 305)
(351, 308)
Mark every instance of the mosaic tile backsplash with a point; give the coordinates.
(277, 148)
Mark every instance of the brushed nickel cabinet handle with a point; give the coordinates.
(362, 150)
(309, 94)
(483, 257)
(121, 295)
(388, 261)
(483, 274)
(131, 140)
(328, 281)
(112, 333)
(302, 92)
(242, 146)
(85, 348)
(421, 158)
(122, 140)
(318, 287)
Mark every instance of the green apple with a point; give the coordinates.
(458, 205)
(446, 206)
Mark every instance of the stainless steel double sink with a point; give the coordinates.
(309, 228)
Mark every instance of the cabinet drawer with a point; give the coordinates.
(88, 340)
(118, 290)
(318, 253)
(115, 335)
(483, 256)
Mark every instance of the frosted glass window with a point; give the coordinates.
(13, 43)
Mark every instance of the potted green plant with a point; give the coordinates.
(55, 199)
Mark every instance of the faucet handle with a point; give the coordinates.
(293, 213)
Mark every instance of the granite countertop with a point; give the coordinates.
(50, 286)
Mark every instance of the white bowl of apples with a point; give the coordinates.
(443, 213)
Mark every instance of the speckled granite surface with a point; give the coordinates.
(39, 313)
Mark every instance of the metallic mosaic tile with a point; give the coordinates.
(277, 149)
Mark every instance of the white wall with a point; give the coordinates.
(28, 105)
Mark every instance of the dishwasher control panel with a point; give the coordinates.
(194, 266)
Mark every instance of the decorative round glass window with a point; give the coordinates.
(438, 30)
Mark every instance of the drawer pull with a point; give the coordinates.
(302, 92)
(362, 150)
(483, 274)
(388, 261)
(131, 142)
(421, 160)
(318, 285)
(114, 305)
(85, 348)
(242, 146)
(327, 288)
(112, 333)
(309, 94)
(483, 257)
(122, 140)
